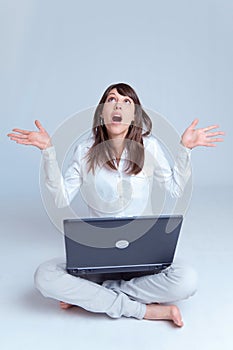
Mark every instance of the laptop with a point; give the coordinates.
(121, 247)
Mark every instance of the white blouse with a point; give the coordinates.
(112, 192)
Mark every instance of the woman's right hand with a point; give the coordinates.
(40, 138)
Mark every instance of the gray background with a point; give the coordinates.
(57, 58)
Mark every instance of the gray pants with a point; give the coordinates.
(116, 298)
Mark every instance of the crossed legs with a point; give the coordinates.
(141, 297)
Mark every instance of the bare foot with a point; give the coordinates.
(164, 312)
(65, 306)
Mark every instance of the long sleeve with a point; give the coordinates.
(174, 179)
(63, 189)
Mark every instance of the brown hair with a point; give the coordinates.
(101, 152)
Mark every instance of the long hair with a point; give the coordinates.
(101, 153)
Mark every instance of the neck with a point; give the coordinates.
(118, 145)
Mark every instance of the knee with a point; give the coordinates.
(185, 280)
(189, 280)
(45, 276)
(40, 281)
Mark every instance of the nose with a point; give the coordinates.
(117, 105)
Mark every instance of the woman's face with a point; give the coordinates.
(118, 113)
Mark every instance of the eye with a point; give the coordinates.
(127, 101)
(111, 99)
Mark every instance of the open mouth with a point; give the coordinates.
(117, 118)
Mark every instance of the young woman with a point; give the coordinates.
(121, 159)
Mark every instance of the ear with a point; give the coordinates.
(101, 120)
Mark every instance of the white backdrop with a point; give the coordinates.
(57, 58)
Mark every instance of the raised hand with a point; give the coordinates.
(40, 138)
(200, 137)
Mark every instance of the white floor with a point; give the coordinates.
(29, 321)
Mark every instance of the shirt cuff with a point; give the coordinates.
(49, 153)
(184, 149)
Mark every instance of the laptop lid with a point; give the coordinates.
(133, 244)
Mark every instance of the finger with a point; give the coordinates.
(17, 136)
(12, 135)
(216, 140)
(20, 141)
(24, 142)
(194, 123)
(25, 132)
(39, 126)
(215, 133)
(211, 145)
(208, 144)
(211, 127)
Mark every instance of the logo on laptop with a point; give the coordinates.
(122, 244)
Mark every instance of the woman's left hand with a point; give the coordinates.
(200, 137)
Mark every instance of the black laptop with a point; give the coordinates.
(120, 248)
